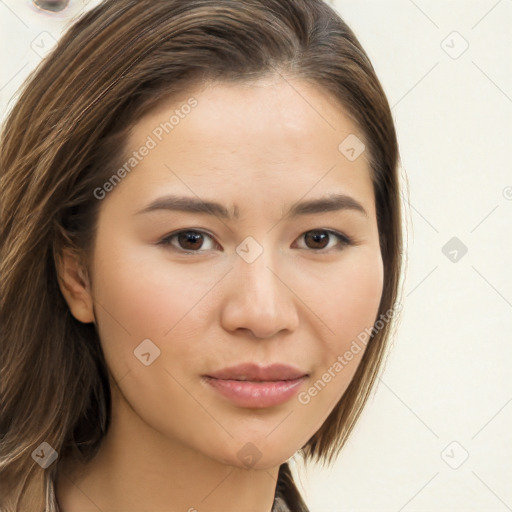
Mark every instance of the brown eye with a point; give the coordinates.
(188, 240)
(319, 239)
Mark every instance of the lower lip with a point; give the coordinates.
(256, 394)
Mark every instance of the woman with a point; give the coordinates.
(201, 251)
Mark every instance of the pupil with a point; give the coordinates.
(317, 237)
(190, 237)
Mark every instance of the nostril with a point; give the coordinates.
(51, 5)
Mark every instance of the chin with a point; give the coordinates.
(258, 454)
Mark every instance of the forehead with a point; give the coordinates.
(277, 132)
(277, 108)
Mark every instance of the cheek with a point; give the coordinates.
(358, 305)
(346, 295)
(347, 301)
(359, 291)
(140, 298)
(348, 307)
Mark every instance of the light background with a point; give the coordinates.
(436, 434)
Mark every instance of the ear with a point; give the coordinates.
(75, 286)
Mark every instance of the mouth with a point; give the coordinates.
(253, 386)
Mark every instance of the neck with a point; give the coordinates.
(138, 469)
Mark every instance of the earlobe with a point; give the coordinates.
(75, 286)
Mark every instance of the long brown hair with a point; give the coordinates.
(61, 141)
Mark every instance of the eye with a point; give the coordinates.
(188, 240)
(319, 239)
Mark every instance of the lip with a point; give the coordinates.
(254, 386)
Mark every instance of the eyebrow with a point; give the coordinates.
(330, 203)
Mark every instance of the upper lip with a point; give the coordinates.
(254, 372)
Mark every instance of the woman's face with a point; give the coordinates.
(183, 293)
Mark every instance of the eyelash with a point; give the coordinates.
(342, 239)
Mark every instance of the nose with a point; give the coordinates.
(258, 299)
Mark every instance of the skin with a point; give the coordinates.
(173, 441)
